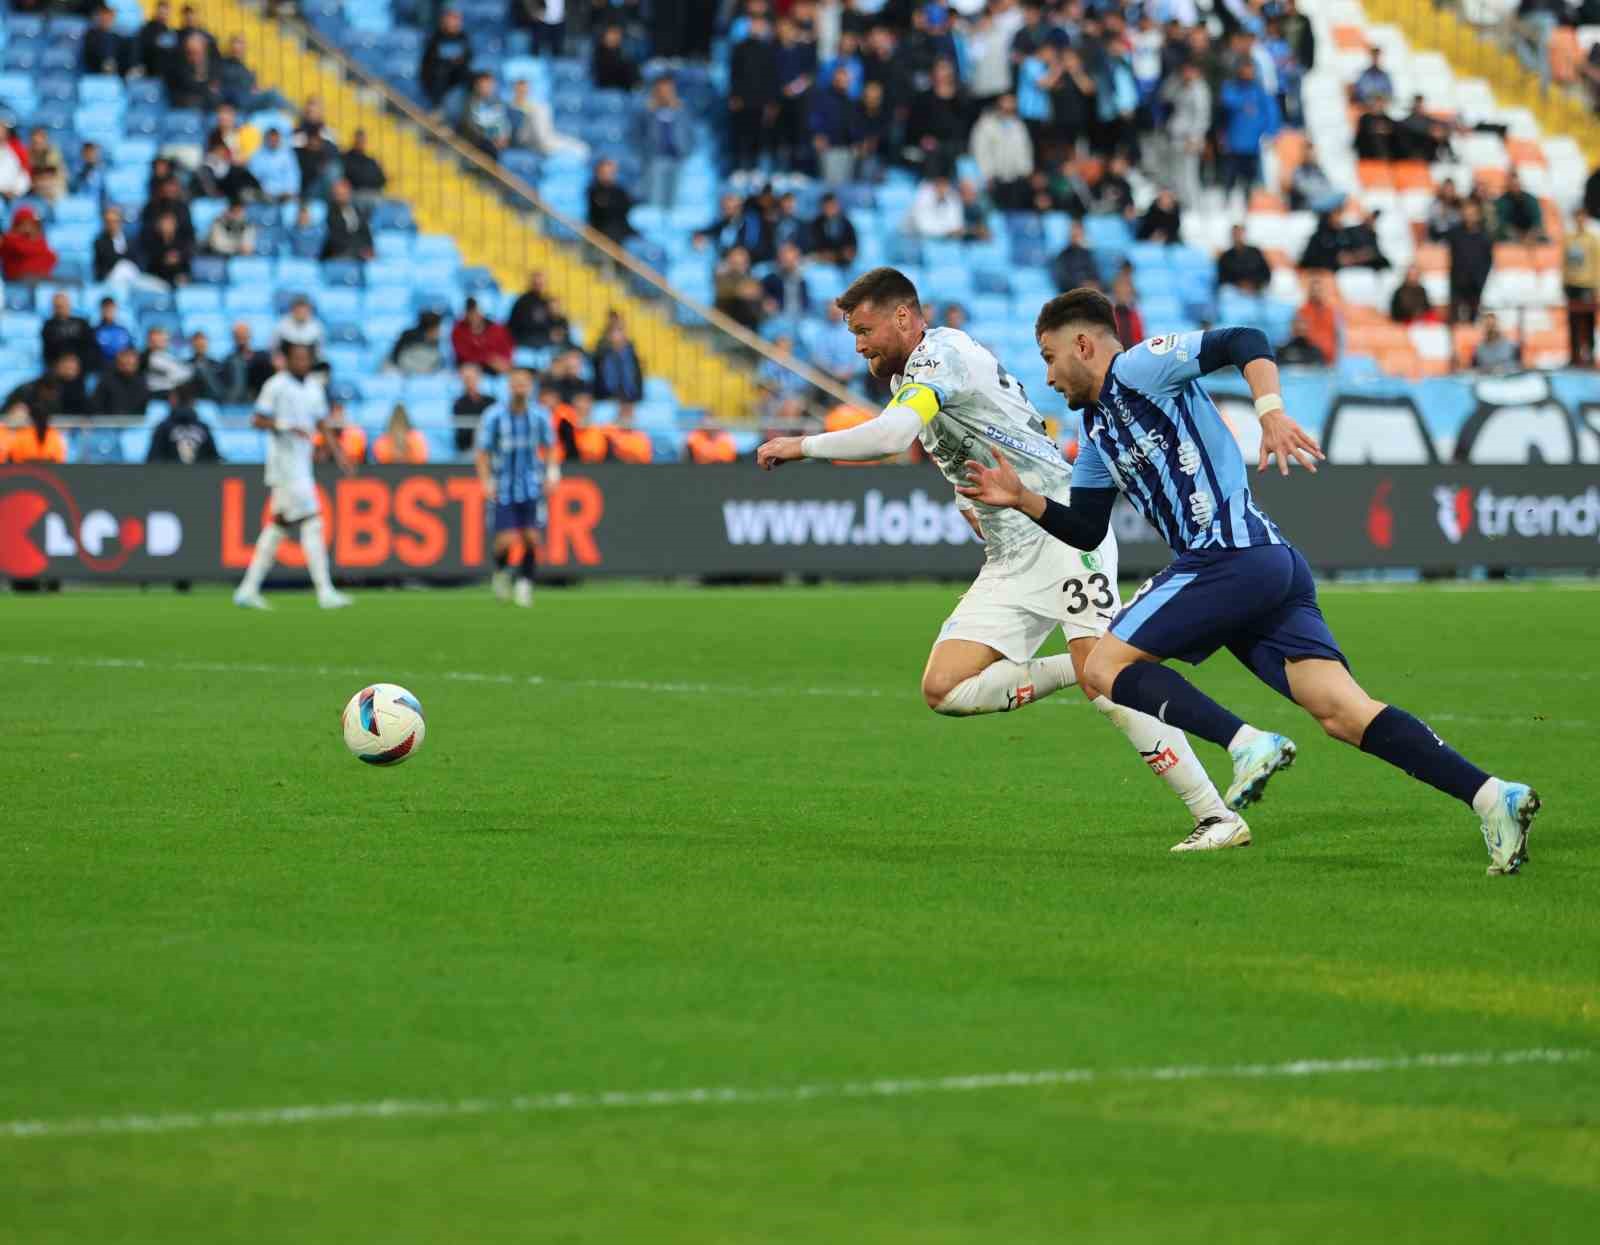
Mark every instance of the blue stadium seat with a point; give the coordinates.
(299, 276)
(208, 270)
(346, 361)
(347, 333)
(338, 303)
(345, 273)
(252, 298)
(388, 274)
(392, 244)
(384, 387)
(198, 298)
(439, 386)
(249, 270)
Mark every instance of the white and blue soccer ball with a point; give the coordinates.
(383, 724)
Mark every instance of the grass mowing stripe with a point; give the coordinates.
(396, 1108)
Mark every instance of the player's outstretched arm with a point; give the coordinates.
(890, 433)
(1082, 523)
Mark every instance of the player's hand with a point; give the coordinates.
(993, 486)
(1283, 439)
(778, 451)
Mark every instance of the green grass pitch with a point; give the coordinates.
(676, 839)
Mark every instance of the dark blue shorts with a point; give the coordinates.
(1258, 603)
(518, 516)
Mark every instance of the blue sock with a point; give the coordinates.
(1408, 743)
(1168, 696)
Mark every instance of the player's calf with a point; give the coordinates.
(956, 690)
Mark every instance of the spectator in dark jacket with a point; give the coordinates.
(419, 350)
(609, 203)
(237, 79)
(612, 68)
(113, 249)
(446, 59)
(1243, 266)
(831, 238)
(1471, 258)
(1518, 214)
(1074, 266)
(835, 127)
(1161, 220)
(166, 256)
(123, 390)
(220, 177)
(157, 43)
(182, 437)
(752, 94)
(471, 403)
(242, 373)
(362, 171)
(192, 80)
(104, 50)
(64, 333)
(349, 235)
(1410, 301)
(617, 374)
(784, 288)
(531, 315)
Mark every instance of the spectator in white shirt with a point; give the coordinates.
(936, 211)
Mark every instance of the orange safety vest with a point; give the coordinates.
(352, 440)
(711, 445)
(415, 451)
(629, 445)
(592, 443)
(24, 446)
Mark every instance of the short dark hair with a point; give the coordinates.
(1083, 305)
(884, 287)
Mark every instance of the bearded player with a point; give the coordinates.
(955, 397)
(1152, 432)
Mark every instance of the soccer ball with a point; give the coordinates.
(383, 724)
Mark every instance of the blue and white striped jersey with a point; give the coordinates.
(513, 440)
(1155, 434)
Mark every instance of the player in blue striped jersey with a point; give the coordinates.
(1152, 432)
(510, 437)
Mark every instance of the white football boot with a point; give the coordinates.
(335, 601)
(522, 594)
(1215, 833)
(501, 583)
(1505, 829)
(1254, 764)
(250, 600)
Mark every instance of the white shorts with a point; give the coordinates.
(294, 503)
(1014, 606)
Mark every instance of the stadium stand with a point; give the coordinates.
(1358, 194)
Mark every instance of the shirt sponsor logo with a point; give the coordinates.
(1202, 508)
(1006, 439)
(1160, 345)
(1188, 458)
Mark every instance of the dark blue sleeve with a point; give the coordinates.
(1084, 521)
(1220, 348)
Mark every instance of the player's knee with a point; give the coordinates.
(936, 688)
(1100, 673)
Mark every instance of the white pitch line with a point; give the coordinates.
(900, 1087)
(453, 676)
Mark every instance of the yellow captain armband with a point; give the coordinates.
(920, 398)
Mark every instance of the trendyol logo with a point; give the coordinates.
(1461, 511)
(39, 520)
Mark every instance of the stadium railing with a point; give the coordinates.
(454, 188)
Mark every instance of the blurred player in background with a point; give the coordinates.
(293, 407)
(1152, 432)
(510, 438)
(957, 398)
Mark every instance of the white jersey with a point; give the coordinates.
(983, 414)
(295, 407)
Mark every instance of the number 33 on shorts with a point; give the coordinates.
(1095, 590)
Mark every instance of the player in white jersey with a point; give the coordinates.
(958, 399)
(293, 407)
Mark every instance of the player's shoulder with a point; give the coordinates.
(941, 355)
(1157, 356)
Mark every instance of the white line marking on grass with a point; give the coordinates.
(453, 676)
(903, 1087)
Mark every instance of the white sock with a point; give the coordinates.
(316, 555)
(1008, 685)
(262, 559)
(1166, 751)
(1243, 737)
(1488, 796)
